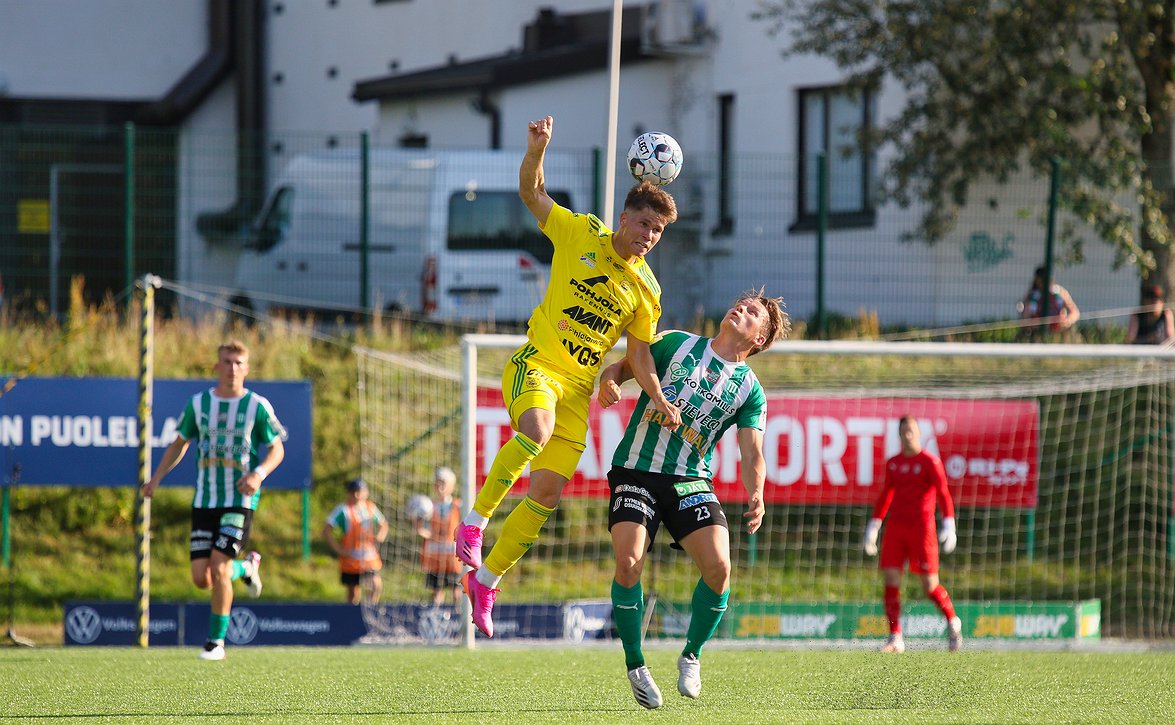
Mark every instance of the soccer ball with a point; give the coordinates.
(655, 157)
(419, 507)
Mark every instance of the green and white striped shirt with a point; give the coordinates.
(711, 392)
(227, 432)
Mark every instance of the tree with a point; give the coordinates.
(997, 88)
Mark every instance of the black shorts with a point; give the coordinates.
(435, 580)
(683, 503)
(223, 529)
(352, 580)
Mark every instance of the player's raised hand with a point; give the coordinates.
(871, 532)
(947, 536)
(538, 133)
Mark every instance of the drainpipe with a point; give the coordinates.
(485, 105)
(249, 55)
(203, 77)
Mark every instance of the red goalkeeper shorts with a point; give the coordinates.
(917, 545)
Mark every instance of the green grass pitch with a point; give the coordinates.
(517, 684)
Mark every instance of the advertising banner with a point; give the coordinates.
(85, 431)
(116, 623)
(288, 623)
(843, 621)
(829, 451)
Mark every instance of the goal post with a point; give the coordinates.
(1059, 460)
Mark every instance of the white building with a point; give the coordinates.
(471, 74)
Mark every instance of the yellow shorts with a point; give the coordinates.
(528, 383)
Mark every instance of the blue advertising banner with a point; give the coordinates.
(279, 623)
(286, 623)
(85, 432)
(115, 623)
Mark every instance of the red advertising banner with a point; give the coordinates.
(830, 451)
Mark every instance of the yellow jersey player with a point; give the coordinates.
(599, 287)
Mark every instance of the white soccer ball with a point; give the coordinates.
(655, 157)
(419, 507)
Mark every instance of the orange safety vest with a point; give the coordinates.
(360, 549)
(438, 554)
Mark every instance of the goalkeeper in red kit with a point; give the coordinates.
(914, 480)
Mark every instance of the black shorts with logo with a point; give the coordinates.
(685, 504)
(223, 529)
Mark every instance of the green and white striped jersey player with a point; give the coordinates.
(229, 423)
(713, 393)
(228, 433)
(661, 474)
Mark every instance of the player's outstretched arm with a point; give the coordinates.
(532, 184)
(754, 475)
(174, 453)
(644, 370)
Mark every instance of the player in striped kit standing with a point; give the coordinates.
(661, 475)
(229, 423)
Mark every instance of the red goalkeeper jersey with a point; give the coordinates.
(912, 483)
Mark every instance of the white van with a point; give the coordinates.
(448, 237)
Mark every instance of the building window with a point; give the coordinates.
(725, 170)
(831, 122)
(498, 221)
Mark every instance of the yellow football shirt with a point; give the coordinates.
(592, 297)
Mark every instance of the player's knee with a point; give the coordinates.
(201, 577)
(628, 570)
(222, 573)
(537, 431)
(717, 575)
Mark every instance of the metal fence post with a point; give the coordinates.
(147, 285)
(364, 222)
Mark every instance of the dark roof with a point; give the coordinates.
(581, 45)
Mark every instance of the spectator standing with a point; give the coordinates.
(1154, 325)
(1061, 311)
(354, 530)
(438, 557)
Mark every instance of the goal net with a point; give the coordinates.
(1059, 461)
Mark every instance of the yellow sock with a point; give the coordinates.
(508, 465)
(519, 533)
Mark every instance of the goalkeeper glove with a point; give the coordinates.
(871, 532)
(946, 535)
